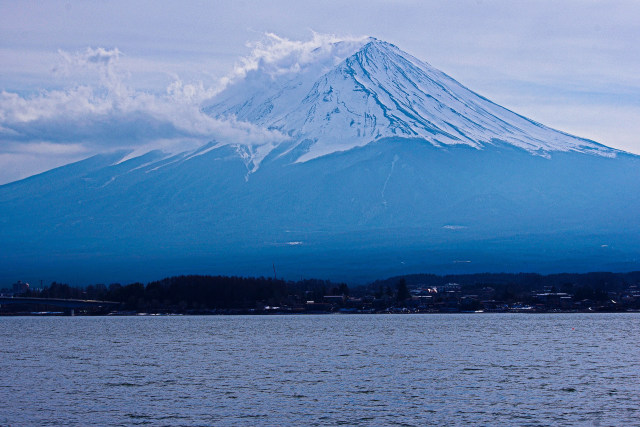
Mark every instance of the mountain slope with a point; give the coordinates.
(381, 91)
(391, 167)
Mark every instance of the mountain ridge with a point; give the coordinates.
(332, 202)
(382, 91)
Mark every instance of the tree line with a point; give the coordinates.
(195, 292)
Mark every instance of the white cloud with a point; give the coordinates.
(104, 112)
(111, 114)
(274, 55)
(482, 43)
(49, 127)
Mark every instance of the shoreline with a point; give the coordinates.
(289, 313)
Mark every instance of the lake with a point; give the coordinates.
(517, 369)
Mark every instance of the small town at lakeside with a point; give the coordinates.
(530, 293)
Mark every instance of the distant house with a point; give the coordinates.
(334, 299)
(20, 287)
(450, 287)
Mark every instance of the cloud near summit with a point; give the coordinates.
(56, 126)
(274, 55)
(99, 110)
(113, 114)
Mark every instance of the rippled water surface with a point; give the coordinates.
(517, 369)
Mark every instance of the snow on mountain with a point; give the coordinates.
(389, 166)
(380, 91)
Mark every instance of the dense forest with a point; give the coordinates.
(199, 292)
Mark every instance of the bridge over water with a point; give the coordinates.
(69, 304)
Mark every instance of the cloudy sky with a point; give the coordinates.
(79, 78)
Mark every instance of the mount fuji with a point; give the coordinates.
(381, 91)
(386, 165)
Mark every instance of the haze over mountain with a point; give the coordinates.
(380, 164)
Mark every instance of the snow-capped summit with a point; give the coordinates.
(382, 165)
(381, 91)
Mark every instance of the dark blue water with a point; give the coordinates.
(517, 369)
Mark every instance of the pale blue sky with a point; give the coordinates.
(572, 65)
